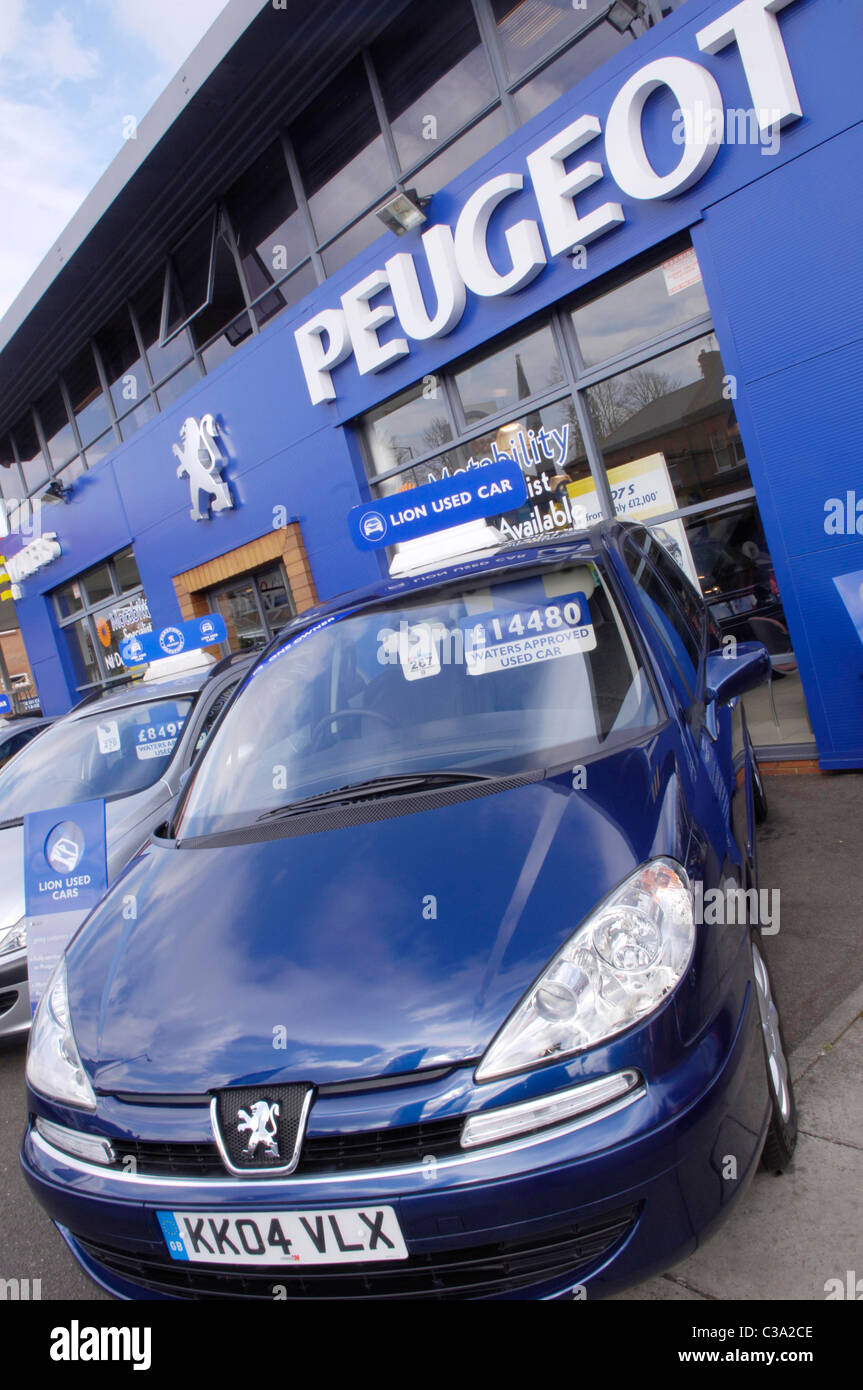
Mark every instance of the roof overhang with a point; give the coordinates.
(254, 69)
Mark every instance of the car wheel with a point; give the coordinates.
(759, 795)
(782, 1132)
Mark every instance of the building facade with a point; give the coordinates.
(636, 268)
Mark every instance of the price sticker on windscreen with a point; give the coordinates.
(108, 735)
(526, 636)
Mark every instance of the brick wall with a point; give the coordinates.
(15, 657)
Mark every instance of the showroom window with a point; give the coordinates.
(95, 611)
(619, 402)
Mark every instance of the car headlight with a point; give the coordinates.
(53, 1065)
(13, 938)
(614, 970)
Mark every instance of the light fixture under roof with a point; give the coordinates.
(57, 491)
(622, 13)
(403, 212)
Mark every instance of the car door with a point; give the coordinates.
(722, 735)
(718, 857)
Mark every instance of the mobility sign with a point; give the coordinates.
(5, 705)
(208, 631)
(484, 491)
(65, 875)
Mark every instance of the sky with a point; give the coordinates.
(70, 76)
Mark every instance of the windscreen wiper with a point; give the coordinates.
(375, 787)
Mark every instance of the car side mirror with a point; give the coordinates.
(734, 670)
(184, 777)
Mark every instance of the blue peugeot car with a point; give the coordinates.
(416, 994)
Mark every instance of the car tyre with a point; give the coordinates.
(759, 795)
(782, 1131)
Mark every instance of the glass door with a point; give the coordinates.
(254, 607)
(238, 605)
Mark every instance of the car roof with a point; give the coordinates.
(15, 723)
(582, 545)
(140, 692)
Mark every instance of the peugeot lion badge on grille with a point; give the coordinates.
(261, 1130)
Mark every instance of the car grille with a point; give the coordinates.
(467, 1272)
(8, 1000)
(335, 1153)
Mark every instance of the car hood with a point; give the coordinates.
(378, 948)
(121, 818)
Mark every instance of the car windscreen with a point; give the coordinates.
(113, 752)
(519, 674)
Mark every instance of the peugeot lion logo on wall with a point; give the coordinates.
(202, 461)
(261, 1126)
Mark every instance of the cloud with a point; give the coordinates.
(44, 176)
(69, 76)
(67, 60)
(170, 30)
(11, 15)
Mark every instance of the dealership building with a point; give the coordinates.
(355, 248)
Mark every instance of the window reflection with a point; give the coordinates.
(171, 389)
(131, 423)
(189, 275)
(592, 49)
(655, 302)
(121, 360)
(269, 231)
(462, 153)
(529, 29)
(148, 308)
(675, 406)
(434, 75)
(288, 292)
(412, 424)
(56, 428)
(33, 466)
(10, 479)
(224, 315)
(85, 393)
(352, 242)
(340, 151)
(497, 381)
(96, 451)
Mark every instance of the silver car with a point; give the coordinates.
(130, 746)
(16, 732)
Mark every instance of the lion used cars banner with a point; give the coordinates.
(207, 631)
(65, 875)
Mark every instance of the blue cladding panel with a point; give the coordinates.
(791, 329)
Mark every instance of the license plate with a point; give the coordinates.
(345, 1235)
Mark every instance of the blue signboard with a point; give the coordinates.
(65, 875)
(5, 705)
(208, 631)
(405, 516)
